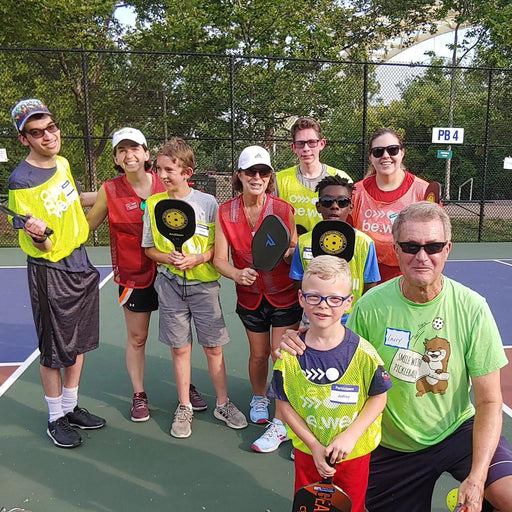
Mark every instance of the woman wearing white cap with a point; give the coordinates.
(265, 299)
(123, 198)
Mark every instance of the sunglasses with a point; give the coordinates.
(312, 143)
(341, 201)
(378, 151)
(431, 248)
(37, 133)
(333, 301)
(252, 172)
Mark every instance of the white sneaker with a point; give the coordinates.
(272, 437)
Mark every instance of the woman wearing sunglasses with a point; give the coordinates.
(378, 199)
(265, 300)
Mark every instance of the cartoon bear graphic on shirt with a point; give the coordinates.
(437, 355)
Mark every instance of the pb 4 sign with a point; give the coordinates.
(447, 135)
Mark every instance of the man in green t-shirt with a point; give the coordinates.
(437, 339)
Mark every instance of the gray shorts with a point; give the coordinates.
(65, 306)
(201, 304)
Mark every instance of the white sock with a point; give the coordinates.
(69, 399)
(54, 407)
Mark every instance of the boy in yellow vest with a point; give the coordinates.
(63, 284)
(188, 288)
(333, 395)
(335, 203)
(297, 184)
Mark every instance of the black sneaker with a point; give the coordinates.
(82, 418)
(61, 433)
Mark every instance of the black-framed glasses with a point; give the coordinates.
(264, 173)
(37, 133)
(341, 201)
(414, 248)
(315, 299)
(312, 143)
(392, 150)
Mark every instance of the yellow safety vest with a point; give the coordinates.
(57, 202)
(201, 241)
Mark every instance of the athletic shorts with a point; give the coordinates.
(141, 300)
(266, 315)
(65, 306)
(178, 307)
(402, 481)
(351, 476)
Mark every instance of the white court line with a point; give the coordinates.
(504, 263)
(507, 410)
(32, 357)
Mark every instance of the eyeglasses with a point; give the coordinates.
(37, 133)
(333, 301)
(264, 173)
(341, 201)
(378, 151)
(413, 248)
(312, 143)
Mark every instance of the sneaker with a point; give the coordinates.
(197, 401)
(61, 433)
(16, 509)
(182, 423)
(272, 438)
(140, 410)
(259, 409)
(82, 418)
(231, 415)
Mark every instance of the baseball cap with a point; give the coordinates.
(24, 109)
(254, 155)
(129, 134)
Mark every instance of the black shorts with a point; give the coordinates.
(393, 485)
(141, 300)
(65, 306)
(266, 315)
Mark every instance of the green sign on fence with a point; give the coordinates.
(444, 153)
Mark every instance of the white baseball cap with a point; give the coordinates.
(129, 134)
(254, 155)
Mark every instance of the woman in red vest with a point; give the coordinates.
(378, 199)
(264, 299)
(123, 198)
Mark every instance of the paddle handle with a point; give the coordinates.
(48, 231)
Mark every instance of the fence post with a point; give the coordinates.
(365, 120)
(486, 157)
(232, 107)
(88, 136)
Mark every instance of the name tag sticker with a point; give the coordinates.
(307, 253)
(202, 230)
(344, 394)
(397, 338)
(392, 217)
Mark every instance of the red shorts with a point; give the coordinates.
(351, 476)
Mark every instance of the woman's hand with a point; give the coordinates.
(246, 276)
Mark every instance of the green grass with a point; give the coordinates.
(493, 230)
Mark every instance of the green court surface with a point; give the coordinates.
(135, 467)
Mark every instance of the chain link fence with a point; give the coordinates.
(222, 103)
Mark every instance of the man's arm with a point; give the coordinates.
(486, 434)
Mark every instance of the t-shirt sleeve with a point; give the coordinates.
(147, 234)
(371, 267)
(381, 382)
(296, 269)
(276, 388)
